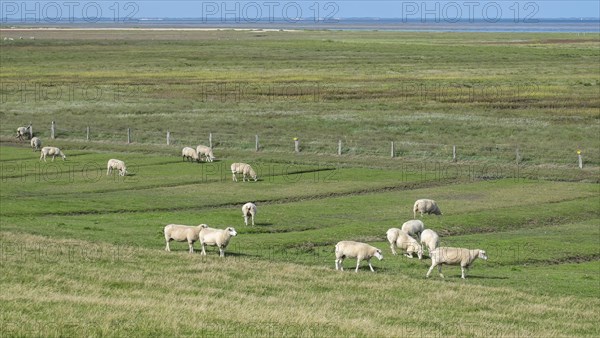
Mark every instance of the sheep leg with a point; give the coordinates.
(221, 252)
(463, 270)
(440, 270)
(370, 266)
(246, 220)
(358, 263)
(191, 245)
(408, 255)
(252, 219)
(393, 247)
(234, 178)
(167, 248)
(430, 269)
(203, 253)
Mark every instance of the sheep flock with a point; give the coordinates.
(411, 238)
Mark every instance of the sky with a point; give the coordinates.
(261, 10)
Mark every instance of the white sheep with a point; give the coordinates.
(249, 210)
(116, 165)
(206, 151)
(53, 151)
(36, 143)
(358, 250)
(23, 131)
(430, 239)
(454, 256)
(182, 233)
(189, 153)
(244, 169)
(216, 237)
(426, 206)
(401, 239)
(414, 227)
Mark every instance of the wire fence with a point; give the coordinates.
(328, 144)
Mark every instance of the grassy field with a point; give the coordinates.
(82, 253)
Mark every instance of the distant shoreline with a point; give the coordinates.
(478, 25)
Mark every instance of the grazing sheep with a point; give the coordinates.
(249, 210)
(189, 153)
(425, 206)
(23, 131)
(430, 239)
(216, 237)
(36, 143)
(206, 151)
(399, 238)
(360, 251)
(53, 151)
(244, 169)
(454, 256)
(182, 233)
(116, 165)
(413, 227)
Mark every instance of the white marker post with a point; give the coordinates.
(580, 159)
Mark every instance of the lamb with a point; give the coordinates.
(357, 250)
(244, 169)
(454, 256)
(53, 151)
(249, 210)
(116, 165)
(23, 131)
(426, 206)
(413, 227)
(430, 239)
(399, 238)
(189, 153)
(216, 237)
(182, 233)
(36, 143)
(206, 151)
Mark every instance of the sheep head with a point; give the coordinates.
(483, 255)
(378, 254)
(231, 231)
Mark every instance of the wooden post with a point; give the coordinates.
(52, 130)
(340, 147)
(210, 140)
(30, 131)
(87, 133)
(453, 153)
(256, 145)
(168, 137)
(392, 150)
(296, 144)
(128, 135)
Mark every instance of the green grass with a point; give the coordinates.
(82, 253)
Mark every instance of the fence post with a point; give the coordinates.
(517, 156)
(128, 135)
(30, 131)
(296, 145)
(453, 153)
(580, 159)
(392, 150)
(210, 140)
(340, 147)
(87, 133)
(256, 139)
(168, 137)
(52, 130)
